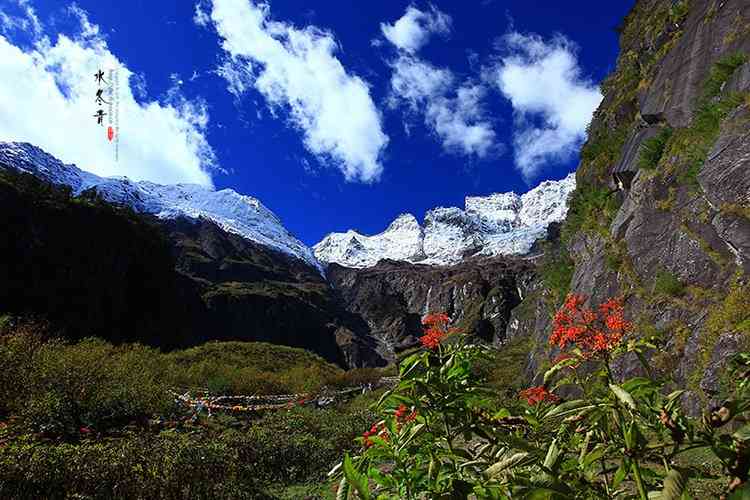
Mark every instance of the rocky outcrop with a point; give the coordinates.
(392, 297)
(674, 240)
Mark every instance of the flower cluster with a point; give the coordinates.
(403, 416)
(436, 329)
(535, 395)
(379, 430)
(595, 332)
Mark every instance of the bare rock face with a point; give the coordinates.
(712, 29)
(675, 241)
(392, 297)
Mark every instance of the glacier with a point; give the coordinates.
(233, 212)
(498, 224)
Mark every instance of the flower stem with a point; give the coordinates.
(639, 480)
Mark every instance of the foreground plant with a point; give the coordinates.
(581, 433)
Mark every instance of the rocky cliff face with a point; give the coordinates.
(392, 297)
(661, 214)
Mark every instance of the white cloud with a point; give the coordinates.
(453, 111)
(553, 102)
(47, 98)
(412, 30)
(26, 20)
(297, 70)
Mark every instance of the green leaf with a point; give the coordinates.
(343, 490)
(502, 413)
(557, 367)
(568, 407)
(506, 463)
(674, 485)
(552, 453)
(743, 433)
(358, 480)
(621, 473)
(623, 395)
(595, 455)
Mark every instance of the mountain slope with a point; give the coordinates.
(233, 212)
(96, 269)
(499, 224)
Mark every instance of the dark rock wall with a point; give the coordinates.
(392, 297)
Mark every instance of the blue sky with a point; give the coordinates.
(340, 115)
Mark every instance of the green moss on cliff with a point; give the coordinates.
(556, 271)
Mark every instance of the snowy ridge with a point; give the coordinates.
(233, 212)
(498, 224)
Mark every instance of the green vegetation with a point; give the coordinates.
(653, 149)
(556, 271)
(666, 283)
(731, 315)
(580, 434)
(720, 73)
(250, 368)
(688, 147)
(86, 419)
(590, 209)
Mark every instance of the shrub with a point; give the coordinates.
(667, 283)
(164, 466)
(18, 345)
(720, 73)
(653, 149)
(91, 384)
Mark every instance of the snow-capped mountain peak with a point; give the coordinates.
(498, 224)
(233, 212)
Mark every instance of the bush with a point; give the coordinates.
(165, 466)
(249, 368)
(653, 149)
(720, 73)
(18, 345)
(667, 283)
(88, 384)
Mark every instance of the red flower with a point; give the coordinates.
(535, 395)
(436, 320)
(382, 433)
(85, 430)
(403, 416)
(594, 332)
(436, 329)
